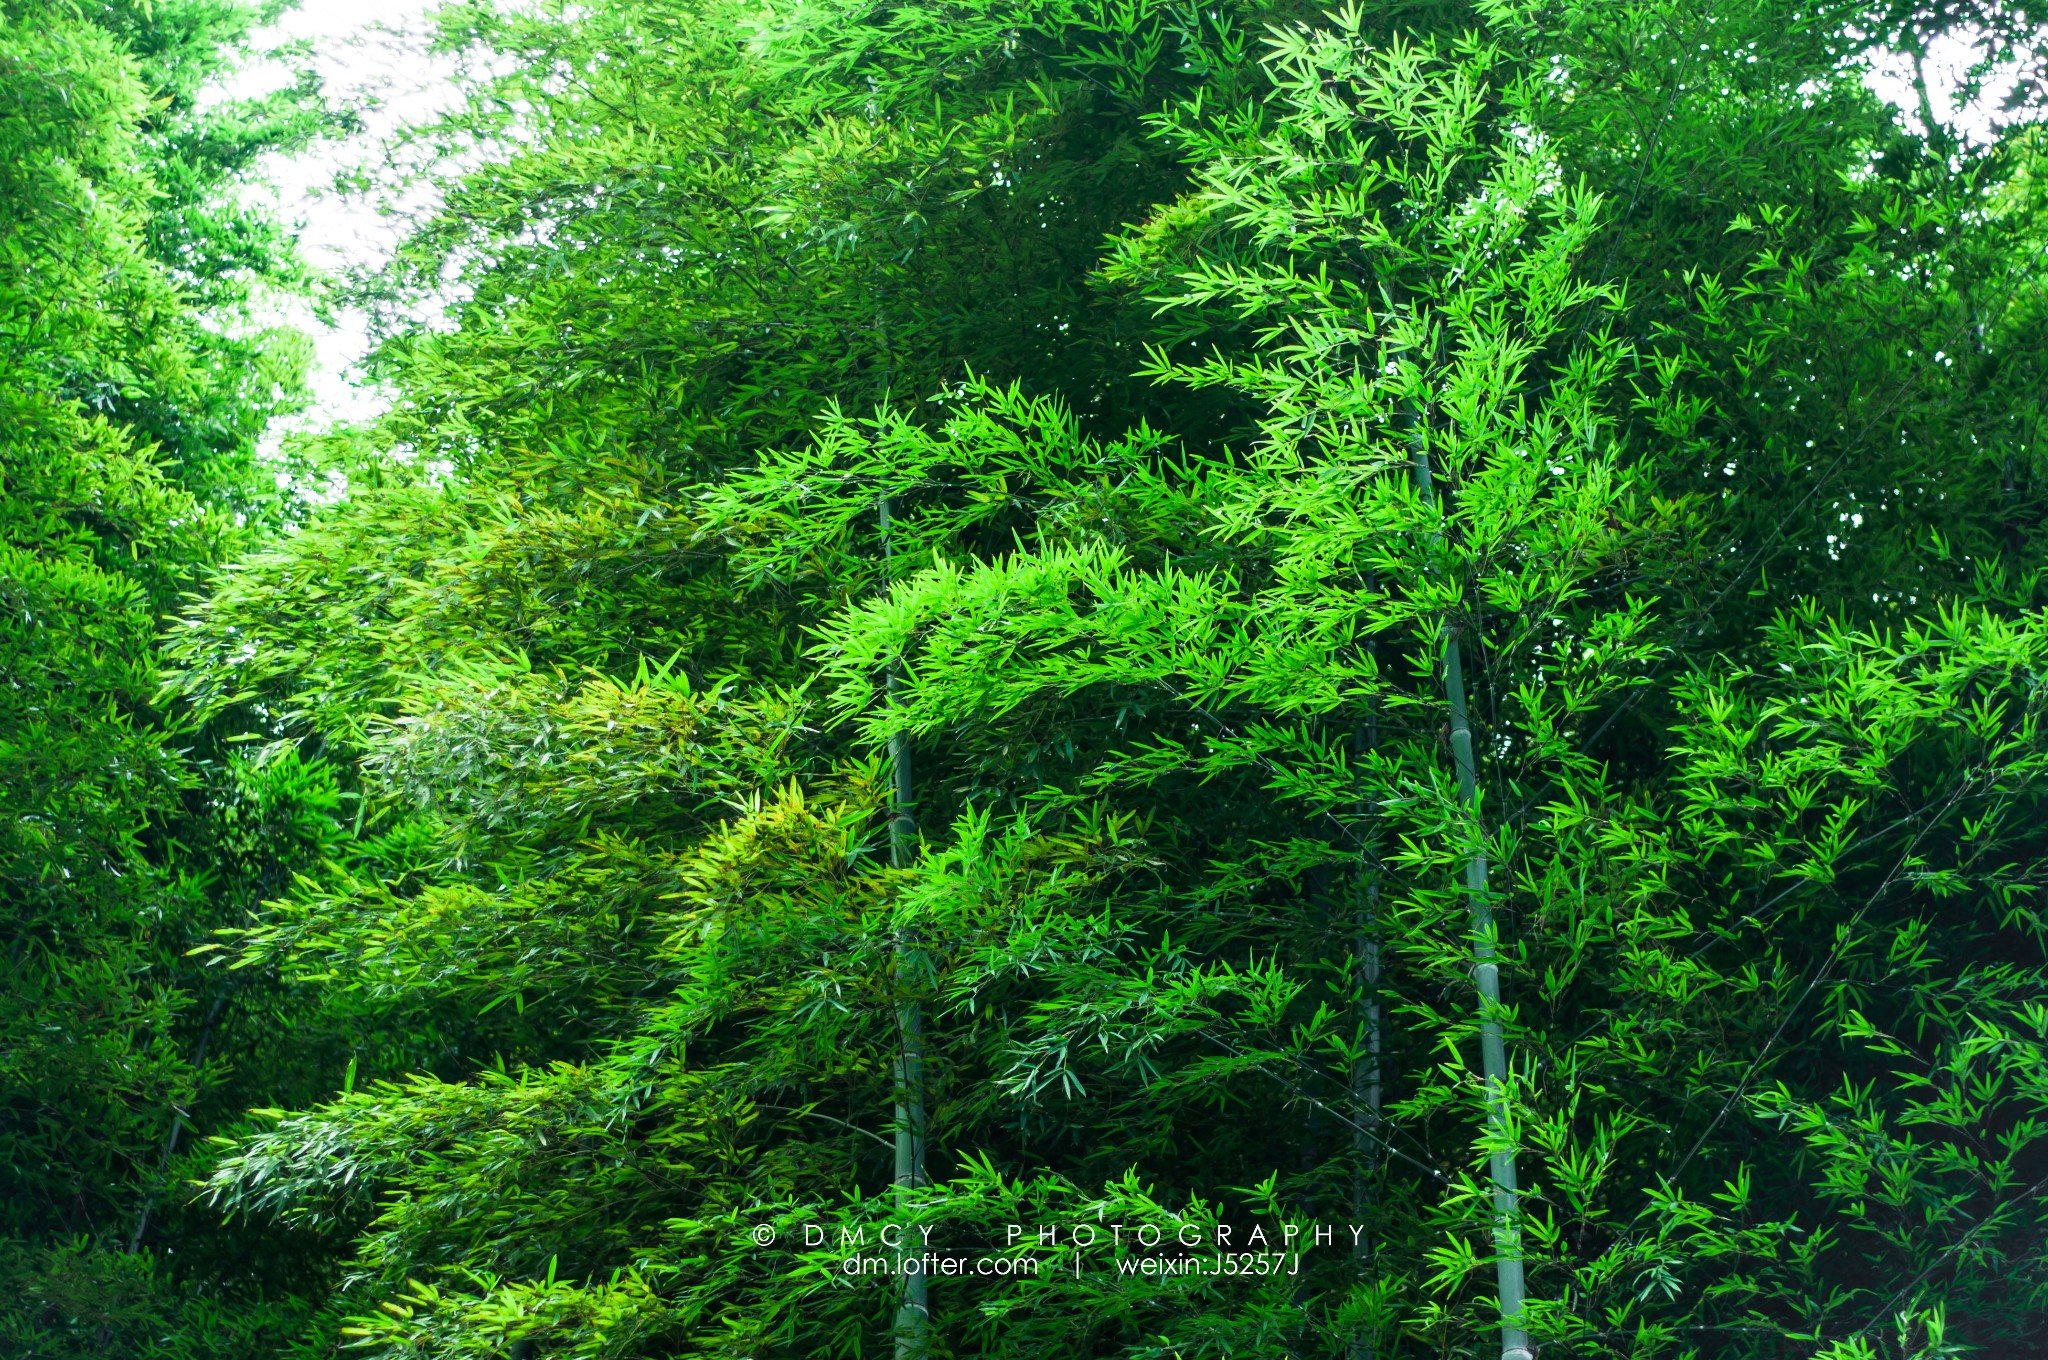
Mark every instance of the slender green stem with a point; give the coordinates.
(1365, 1068)
(1507, 1229)
(913, 1310)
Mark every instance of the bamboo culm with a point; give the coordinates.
(1365, 1069)
(1507, 1231)
(913, 1310)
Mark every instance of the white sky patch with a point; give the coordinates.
(1972, 122)
(372, 56)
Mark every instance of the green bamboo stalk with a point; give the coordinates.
(1507, 1230)
(1365, 1068)
(913, 1310)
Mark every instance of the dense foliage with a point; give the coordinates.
(136, 378)
(985, 616)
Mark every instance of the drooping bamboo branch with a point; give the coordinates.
(1507, 1228)
(913, 1310)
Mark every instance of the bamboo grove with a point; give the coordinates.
(1006, 630)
